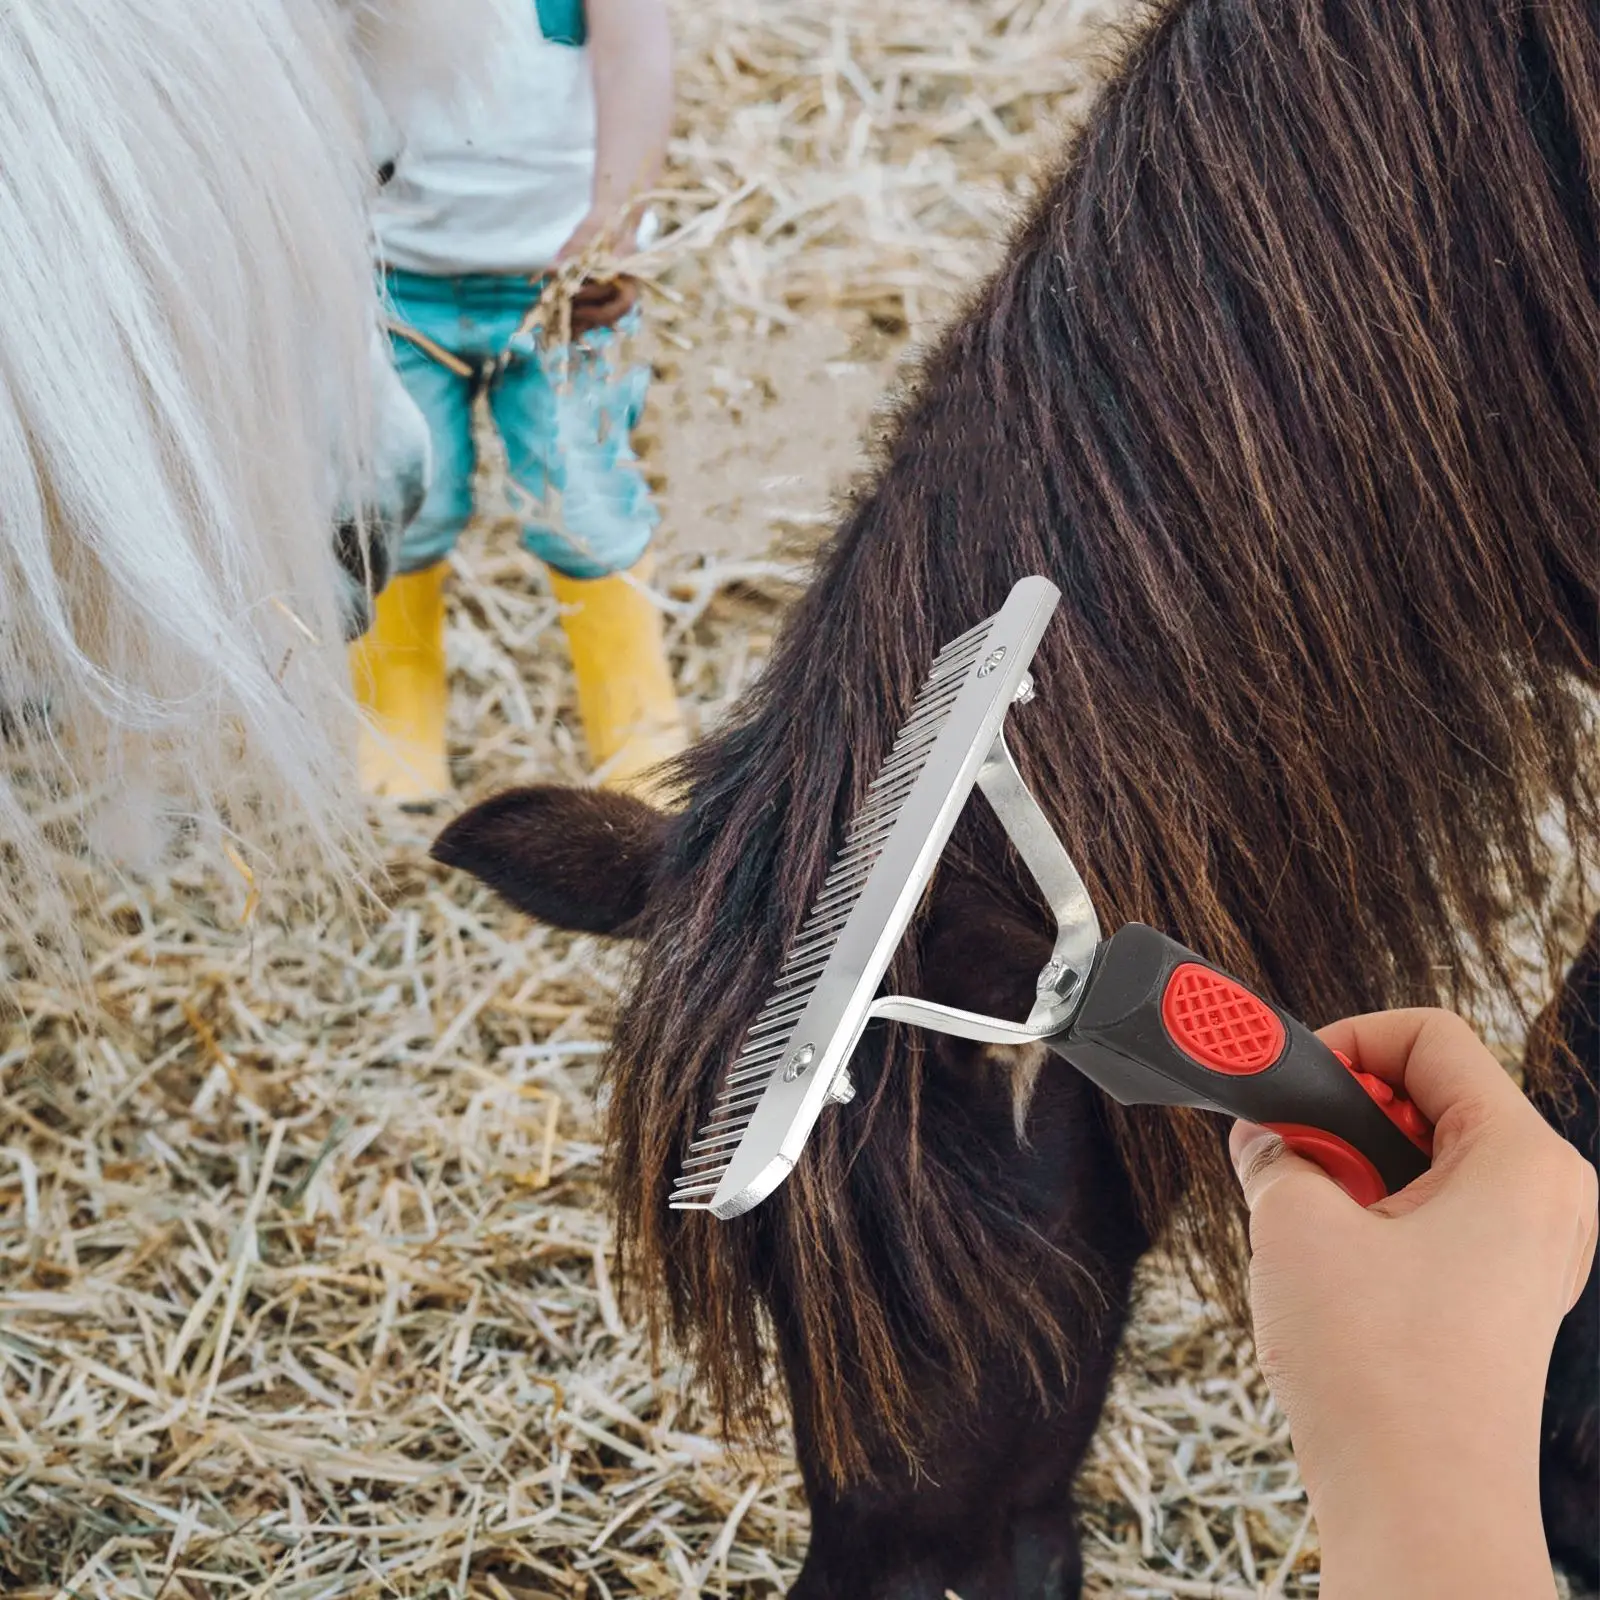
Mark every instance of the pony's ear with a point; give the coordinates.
(576, 858)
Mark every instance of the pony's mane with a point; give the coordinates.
(185, 399)
(1291, 384)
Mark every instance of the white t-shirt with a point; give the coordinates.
(497, 183)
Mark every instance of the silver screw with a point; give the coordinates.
(993, 660)
(843, 1090)
(1024, 692)
(1057, 978)
(799, 1062)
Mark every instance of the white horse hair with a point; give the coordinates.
(189, 403)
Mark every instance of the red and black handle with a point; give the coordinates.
(1159, 1026)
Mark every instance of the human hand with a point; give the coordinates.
(1408, 1343)
(601, 225)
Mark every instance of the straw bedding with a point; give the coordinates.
(303, 1250)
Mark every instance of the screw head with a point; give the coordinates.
(992, 660)
(1024, 692)
(843, 1090)
(1057, 978)
(799, 1062)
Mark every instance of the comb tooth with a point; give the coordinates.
(740, 1081)
(892, 783)
(706, 1169)
(809, 968)
(720, 1133)
(753, 1074)
(923, 714)
(773, 1033)
(948, 681)
(859, 856)
(935, 692)
(780, 1008)
(761, 1055)
(933, 710)
(762, 1029)
(885, 809)
(751, 1046)
(695, 1190)
(819, 929)
(697, 1169)
(719, 1129)
(786, 998)
(782, 1004)
(843, 894)
(843, 868)
(909, 762)
(742, 1108)
(878, 800)
(864, 840)
(783, 1001)
(846, 889)
(906, 749)
(952, 669)
(754, 1054)
(892, 790)
(912, 733)
(886, 805)
(971, 633)
(869, 838)
(701, 1167)
(752, 1049)
(737, 1101)
(722, 1139)
(746, 1076)
(839, 879)
(862, 843)
(818, 936)
(719, 1136)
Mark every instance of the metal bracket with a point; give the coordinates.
(1063, 977)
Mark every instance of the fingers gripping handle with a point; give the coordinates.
(1159, 1026)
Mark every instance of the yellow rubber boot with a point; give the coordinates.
(398, 670)
(631, 718)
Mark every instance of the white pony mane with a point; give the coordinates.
(185, 392)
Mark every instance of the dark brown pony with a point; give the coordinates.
(1291, 383)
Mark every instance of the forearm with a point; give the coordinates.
(1438, 1527)
(631, 51)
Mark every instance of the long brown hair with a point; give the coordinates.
(1291, 382)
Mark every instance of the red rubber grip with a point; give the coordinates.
(1400, 1111)
(1342, 1162)
(1219, 1023)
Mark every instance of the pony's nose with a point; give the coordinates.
(365, 553)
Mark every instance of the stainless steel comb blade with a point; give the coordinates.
(794, 1056)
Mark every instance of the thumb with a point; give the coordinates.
(1264, 1163)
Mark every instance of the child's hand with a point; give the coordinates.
(1408, 1344)
(609, 225)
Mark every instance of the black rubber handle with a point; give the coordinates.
(1160, 1026)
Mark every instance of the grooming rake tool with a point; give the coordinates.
(1147, 1020)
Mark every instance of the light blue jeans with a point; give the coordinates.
(565, 417)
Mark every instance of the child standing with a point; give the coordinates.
(570, 127)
